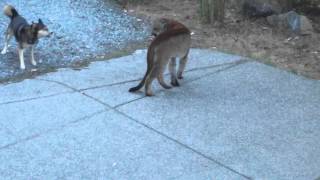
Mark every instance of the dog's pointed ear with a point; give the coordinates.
(40, 21)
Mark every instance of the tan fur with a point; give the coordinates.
(172, 41)
(162, 24)
(8, 10)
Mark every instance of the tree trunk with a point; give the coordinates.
(212, 11)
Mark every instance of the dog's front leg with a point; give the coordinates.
(33, 62)
(21, 58)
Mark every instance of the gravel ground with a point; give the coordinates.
(83, 29)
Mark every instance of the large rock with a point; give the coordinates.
(305, 26)
(260, 8)
(291, 21)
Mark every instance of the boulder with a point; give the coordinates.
(292, 22)
(306, 27)
(261, 8)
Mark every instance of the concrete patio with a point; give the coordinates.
(232, 118)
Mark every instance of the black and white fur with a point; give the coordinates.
(25, 34)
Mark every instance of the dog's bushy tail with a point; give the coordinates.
(10, 11)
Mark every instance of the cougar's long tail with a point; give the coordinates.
(150, 55)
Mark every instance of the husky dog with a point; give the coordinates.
(25, 34)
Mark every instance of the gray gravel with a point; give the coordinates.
(83, 29)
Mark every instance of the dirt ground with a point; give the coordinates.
(252, 38)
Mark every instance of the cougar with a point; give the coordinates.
(172, 40)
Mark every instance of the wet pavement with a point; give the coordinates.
(83, 30)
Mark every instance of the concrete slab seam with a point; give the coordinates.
(78, 91)
(136, 121)
(59, 83)
(35, 98)
(53, 129)
(190, 70)
(167, 137)
(183, 145)
(231, 65)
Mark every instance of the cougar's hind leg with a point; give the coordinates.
(151, 76)
(162, 67)
(160, 75)
(182, 66)
(162, 82)
(173, 73)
